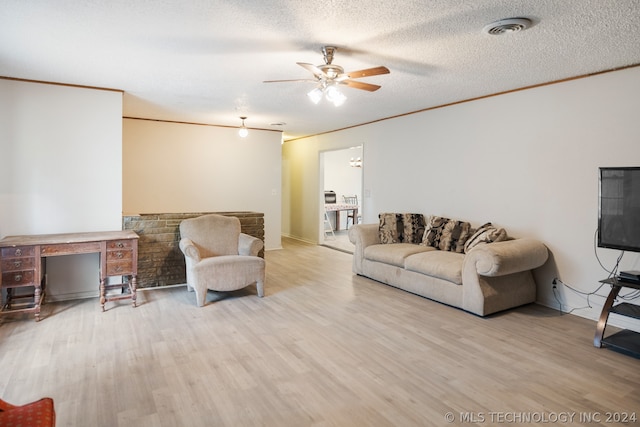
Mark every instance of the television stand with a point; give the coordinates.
(625, 341)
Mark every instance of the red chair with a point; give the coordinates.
(35, 414)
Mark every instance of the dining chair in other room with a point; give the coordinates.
(352, 215)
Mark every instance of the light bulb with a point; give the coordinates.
(334, 96)
(315, 95)
(243, 131)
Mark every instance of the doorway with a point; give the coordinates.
(341, 173)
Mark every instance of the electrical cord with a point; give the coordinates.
(635, 294)
(612, 272)
(577, 291)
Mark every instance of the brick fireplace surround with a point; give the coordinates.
(160, 261)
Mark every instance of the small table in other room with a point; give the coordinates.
(338, 207)
(22, 264)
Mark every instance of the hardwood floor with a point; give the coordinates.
(322, 348)
(340, 241)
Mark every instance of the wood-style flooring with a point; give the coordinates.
(340, 241)
(322, 348)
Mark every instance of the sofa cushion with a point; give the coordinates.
(486, 233)
(454, 235)
(444, 265)
(413, 225)
(433, 231)
(393, 254)
(446, 234)
(390, 228)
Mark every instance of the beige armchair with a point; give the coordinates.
(219, 257)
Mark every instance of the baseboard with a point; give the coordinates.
(614, 320)
(72, 296)
(299, 239)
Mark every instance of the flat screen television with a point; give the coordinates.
(619, 208)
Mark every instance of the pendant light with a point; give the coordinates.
(243, 131)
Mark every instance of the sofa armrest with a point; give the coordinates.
(249, 245)
(497, 276)
(507, 257)
(362, 235)
(189, 249)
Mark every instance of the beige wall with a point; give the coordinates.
(527, 161)
(176, 167)
(60, 171)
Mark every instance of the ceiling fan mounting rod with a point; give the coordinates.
(328, 52)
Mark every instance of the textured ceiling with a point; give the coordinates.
(205, 61)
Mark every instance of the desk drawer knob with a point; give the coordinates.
(119, 255)
(18, 252)
(17, 278)
(17, 264)
(120, 245)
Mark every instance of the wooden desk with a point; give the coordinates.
(338, 207)
(22, 263)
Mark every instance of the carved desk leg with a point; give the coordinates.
(37, 295)
(102, 293)
(604, 316)
(9, 296)
(133, 283)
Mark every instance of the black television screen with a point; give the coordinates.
(619, 208)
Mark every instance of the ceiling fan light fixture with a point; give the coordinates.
(328, 76)
(315, 95)
(243, 132)
(334, 96)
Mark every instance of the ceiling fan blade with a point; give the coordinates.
(360, 85)
(292, 80)
(312, 68)
(367, 72)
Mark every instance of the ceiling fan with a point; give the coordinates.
(329, 76)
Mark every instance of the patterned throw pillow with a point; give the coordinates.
(454, 236)
(413, 227)
(390, 229)
(433, 231)
(487, 233)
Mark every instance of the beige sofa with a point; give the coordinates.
(489, 278)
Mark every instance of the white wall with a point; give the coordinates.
(527, 161)
(61, 171)
(176, 167)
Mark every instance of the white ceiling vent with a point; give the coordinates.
(512, 25)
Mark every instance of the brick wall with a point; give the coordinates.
(160, 261)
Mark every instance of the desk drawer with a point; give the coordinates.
(17, 278)
(69, 248)
(17, 264)
(116, 245)
(18, 251)
(119, 268)
(115, 256)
